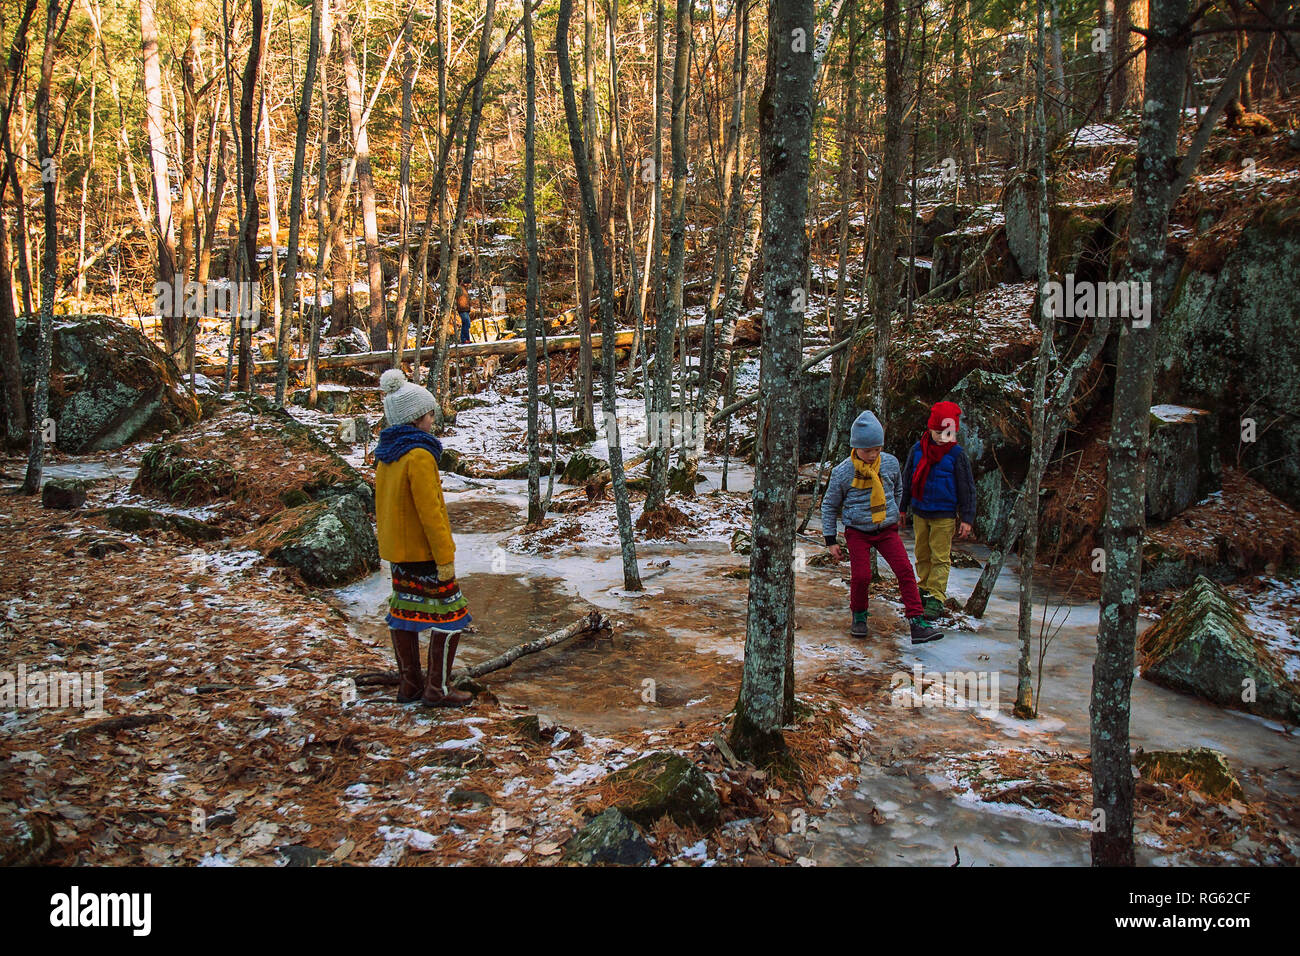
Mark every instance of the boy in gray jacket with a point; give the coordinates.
(864, 492)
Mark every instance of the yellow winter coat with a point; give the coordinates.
(410, 511)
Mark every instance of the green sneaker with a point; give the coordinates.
(859, 628)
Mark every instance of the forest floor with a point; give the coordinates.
(231, 733)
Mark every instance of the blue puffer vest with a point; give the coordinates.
(940, 485)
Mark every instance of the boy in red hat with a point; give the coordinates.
(939, 492)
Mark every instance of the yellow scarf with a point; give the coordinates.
(868, 476)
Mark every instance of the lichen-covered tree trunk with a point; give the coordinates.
(10, 362)
(671, 310)
(785, 131)
(1024, 703)
(605, 289)
(1124, 524)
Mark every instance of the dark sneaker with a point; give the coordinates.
(922, 632)
(859, 628)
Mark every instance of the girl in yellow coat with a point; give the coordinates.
(415, 538)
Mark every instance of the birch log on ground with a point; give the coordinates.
(589, 623)
(504, 347)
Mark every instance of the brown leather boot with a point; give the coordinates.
(406, 648)
(437, 691)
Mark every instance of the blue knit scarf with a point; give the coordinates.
(397, 440)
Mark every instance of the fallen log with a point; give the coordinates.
(589, 623)
(558, 343)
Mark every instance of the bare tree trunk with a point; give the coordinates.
(785, 129)
(1109, 38)
(164, 228)
(401, 310)
(295, 199)
(251, 220)
(322, 206)
(191, 236)
(365, 182)
(49, 253)
(449, 266)
(1125, 520)
(10, 360)
(605, 278)
(670, 314)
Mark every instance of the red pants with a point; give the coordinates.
(892, 549)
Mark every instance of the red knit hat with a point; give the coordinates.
(942, 413)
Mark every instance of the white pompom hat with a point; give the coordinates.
(404, 401)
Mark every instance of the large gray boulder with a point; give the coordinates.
(109, 385)
(330, 542)
(1203, 646)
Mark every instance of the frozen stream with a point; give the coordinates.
(686, 633)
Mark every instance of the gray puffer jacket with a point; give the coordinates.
(852, 505)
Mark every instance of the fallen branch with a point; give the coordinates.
(587, 624)
(113, 725)
(807, 364)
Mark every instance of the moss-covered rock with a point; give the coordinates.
(667, 784)
(580, 467)
(1203, 646)
(1204, 769)
(742, 542)
(251, 453)
(135, 520)
(330, 542)
(109, 385)
(608, 838)
(64, 494)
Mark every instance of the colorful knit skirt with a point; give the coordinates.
(419, 600)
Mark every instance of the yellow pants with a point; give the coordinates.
(934, 554)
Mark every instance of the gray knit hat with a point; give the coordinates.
(404, 401)
(867, 432)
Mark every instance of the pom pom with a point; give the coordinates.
(392, 380)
